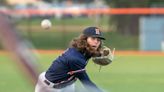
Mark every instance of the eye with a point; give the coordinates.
(98, 39)
(95, 38)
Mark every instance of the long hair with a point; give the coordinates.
(80, 43)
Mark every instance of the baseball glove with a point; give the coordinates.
(106, 56)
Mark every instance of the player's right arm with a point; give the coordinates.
(83, 76)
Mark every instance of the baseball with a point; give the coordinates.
(46, 24)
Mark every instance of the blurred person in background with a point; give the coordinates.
(70, 66)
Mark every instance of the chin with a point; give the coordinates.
(95, 48)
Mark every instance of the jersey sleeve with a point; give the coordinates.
(83, 76)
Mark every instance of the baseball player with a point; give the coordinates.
(70, 66)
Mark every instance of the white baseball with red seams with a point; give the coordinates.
(46, 24)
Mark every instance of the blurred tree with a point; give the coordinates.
(49, 1)
(87, 1)
(129, 24)
(3, 2)
(55, 0)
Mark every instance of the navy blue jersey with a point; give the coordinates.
(70, 60)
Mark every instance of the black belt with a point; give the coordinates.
(60, 85)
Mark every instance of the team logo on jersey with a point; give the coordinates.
(97, 31)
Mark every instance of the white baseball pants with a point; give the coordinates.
(41, 86)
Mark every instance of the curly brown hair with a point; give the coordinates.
(80, 43)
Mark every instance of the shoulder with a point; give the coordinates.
(73, 53)
(74, 56)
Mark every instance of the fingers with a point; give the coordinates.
(113, 51)
(112, 55)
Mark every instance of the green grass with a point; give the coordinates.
(83, 21)
(11, 77)
(132, 74)
(61, 40)
(125, 74)
(63, 31)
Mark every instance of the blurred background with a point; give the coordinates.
(127, 24)
(130, 26)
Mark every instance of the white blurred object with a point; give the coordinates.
(46, 24)
(162, 46)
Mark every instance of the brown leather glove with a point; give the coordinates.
(106, 57)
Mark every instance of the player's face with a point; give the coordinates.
(94, 42)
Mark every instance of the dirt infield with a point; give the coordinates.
(141, 53)
(124, 53)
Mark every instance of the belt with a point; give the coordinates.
(59, 85)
